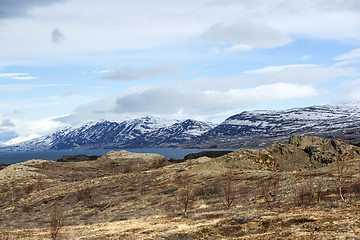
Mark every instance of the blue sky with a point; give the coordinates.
(64, 62)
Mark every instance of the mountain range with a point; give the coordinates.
(249, 129)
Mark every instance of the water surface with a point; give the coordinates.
(16, 157)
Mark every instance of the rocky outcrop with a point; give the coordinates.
(300, 154)
(285, 157)
(323, 150)
(21, 170)
(128, 162)
(77, 158)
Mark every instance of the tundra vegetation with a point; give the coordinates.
(306, 189)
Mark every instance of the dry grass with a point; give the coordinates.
(100, 203)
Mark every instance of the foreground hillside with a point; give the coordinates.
(286, 191)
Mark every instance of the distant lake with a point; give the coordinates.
(16, 157)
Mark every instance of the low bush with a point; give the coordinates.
(158, 163)
(56, 220)
(84, 195)
(26, 207)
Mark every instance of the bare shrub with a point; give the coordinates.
(190, 163)
(269, 187)
(73, 177)
(319, 193)
(340, 167)
(158, 163)
(304, 195)
(128, 169)
(209, 190)
(56, 220)
(32, 187)
(112, 166)
(188, 194)
(178, 180)
(26, 207)
(39, 185)
(29, 188)
(243, 191)
(354, 189)
(229, 189)
(4, 235)
(84, 195)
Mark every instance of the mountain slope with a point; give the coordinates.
(143, 132)
(254, 128)
(247, 129)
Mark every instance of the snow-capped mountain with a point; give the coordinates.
(247, 129)
(143, 132)
(252, 128)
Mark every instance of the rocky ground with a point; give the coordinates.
(286, 191)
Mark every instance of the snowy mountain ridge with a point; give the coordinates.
(254, 128)
(142, 132)
(247, 129)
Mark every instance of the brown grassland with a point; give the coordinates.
(146, 197)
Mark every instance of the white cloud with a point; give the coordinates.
(239, 48)
(273, 69)
(171, 99)
(23, 87)
(129, 73)
(302, 73)
(28, 127)
(205, 98)
(7, 123)
(68, 94)
(17, 76)
(246, 34)
(92, 26)
(353, 54)
(306, 57)
(354, 64)
(98, 72)
(11, 75)
(24, 78)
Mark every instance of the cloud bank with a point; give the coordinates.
(129, 73)
(20, 8)
(185, 100)
(136, 25)
(246, 34)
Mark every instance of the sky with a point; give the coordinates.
(64, 62)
